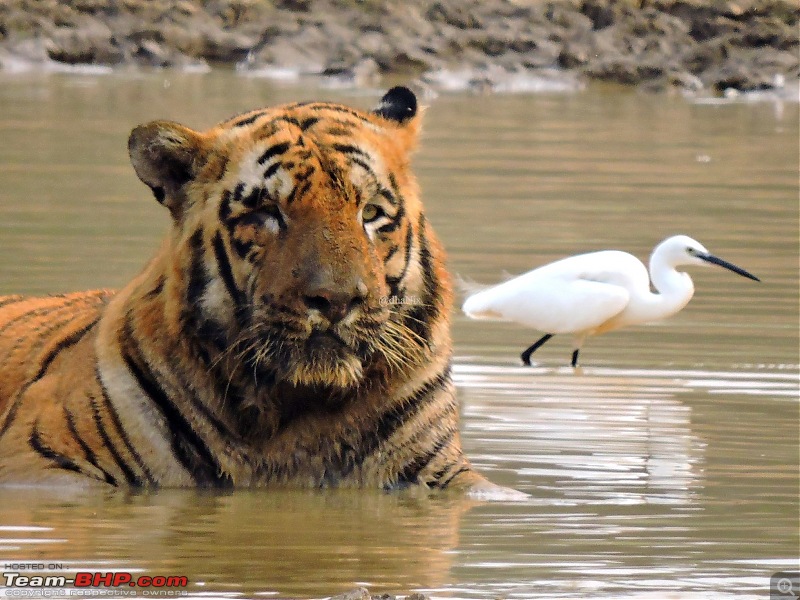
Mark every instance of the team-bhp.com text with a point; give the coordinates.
(95, 580)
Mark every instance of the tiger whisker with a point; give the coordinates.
(400, 345)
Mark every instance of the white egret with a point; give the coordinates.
(594, 293)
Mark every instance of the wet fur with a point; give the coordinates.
(217, 365)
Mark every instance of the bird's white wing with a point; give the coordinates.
(561, 306)
(613, 266)
(575, 294)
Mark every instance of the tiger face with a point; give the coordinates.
(294, 228)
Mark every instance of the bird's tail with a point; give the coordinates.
(468, 287)
(475, 305)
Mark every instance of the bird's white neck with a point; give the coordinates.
(674, 290)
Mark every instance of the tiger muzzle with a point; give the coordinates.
(334, 303)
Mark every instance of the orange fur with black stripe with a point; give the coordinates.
(292, 329)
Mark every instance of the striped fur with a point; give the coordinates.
(292, 329)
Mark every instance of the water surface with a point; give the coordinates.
(667, 467)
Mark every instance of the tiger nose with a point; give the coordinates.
(335, 303)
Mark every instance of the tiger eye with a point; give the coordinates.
(369, 213)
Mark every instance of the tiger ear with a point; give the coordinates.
(165, 156)
(399, 105)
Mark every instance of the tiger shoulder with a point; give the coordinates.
(257, 347)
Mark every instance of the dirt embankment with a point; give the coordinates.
(692, 44)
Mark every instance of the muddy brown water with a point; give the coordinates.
(667, 467)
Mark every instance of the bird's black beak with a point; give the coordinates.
(725, 264)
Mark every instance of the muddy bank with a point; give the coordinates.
(486, 45)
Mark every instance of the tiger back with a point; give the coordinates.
(293, 328)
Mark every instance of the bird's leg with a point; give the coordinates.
(526, 356)
(575, 358)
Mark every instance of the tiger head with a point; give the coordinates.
(299, 249)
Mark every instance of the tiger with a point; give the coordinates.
(269, 341)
